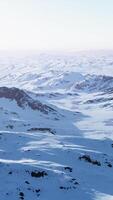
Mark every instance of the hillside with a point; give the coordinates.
(56, 126)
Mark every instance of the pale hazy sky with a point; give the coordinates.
(56, 24)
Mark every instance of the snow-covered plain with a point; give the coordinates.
(56, 129)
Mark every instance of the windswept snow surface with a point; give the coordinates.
(56, 126)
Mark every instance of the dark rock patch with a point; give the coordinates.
(10, 172)
(68, 169)
(10, 126)
(21, 194)
(38, 174)
(87, 158)
(23, 99)
(27, 182)
(108, 164)
(42, 130)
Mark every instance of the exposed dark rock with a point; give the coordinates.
(37, 190)
(24, 99)
(38, 174)
(27, 182)
(108, 164)
(65, 188)
(96, 83)
(73, 180)
(21, 194)
(29, 188)
(88, 159)
(76, 183)
(68, 168)
(10, 126)
(10, 172)
(42, 130)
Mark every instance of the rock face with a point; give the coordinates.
(23, 99)
(95, 83)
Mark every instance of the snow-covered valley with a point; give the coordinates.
(56, 126)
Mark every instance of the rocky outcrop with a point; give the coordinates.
(24, 99)
(95, 83)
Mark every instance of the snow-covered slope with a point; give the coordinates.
(56, 126)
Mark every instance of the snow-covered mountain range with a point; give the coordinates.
(56, 126)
